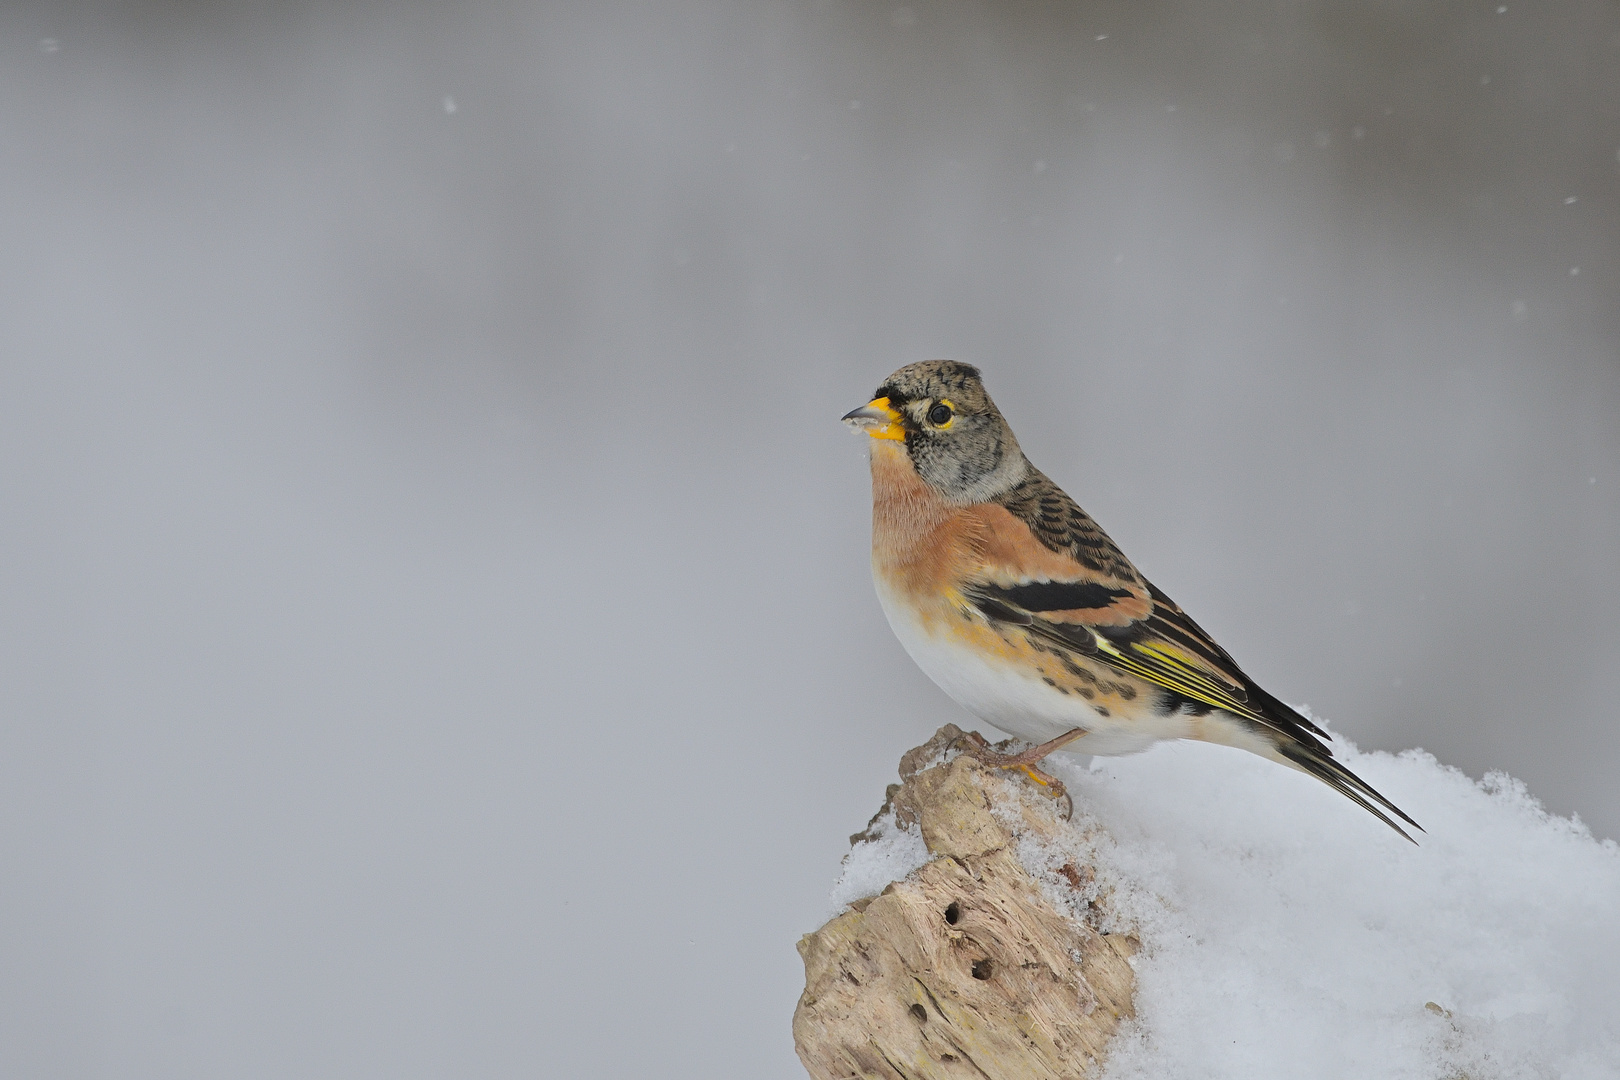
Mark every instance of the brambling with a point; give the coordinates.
(1020, 607)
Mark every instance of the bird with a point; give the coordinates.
(1016, 603)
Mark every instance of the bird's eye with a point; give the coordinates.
(939, 415)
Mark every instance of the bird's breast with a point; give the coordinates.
(921, 544)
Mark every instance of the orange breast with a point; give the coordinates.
(922, 546)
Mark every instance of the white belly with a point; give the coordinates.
(1018, 704)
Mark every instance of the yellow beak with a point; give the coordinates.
(877, 420)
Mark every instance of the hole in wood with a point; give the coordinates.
(982, 969)
(920, 1014)
(953, 913)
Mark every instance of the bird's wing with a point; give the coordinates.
(1045, 565)
(1133, 631)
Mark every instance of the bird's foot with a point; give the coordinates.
(1024, 761)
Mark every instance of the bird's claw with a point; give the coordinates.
(979, 748)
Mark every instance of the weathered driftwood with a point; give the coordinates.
(964, 969)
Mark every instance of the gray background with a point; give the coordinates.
(436, 634)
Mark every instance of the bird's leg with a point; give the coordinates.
(979, 747)
(1024, 761)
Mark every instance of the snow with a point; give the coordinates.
(892, 852)
(1287, 933)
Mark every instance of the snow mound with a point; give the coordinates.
(1287, 933)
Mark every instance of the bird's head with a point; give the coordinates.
(952, 432)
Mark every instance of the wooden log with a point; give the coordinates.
(966, 968)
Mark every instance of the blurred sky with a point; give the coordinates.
(437, 636)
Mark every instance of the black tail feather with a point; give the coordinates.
(1318, 761)
(1305, 745)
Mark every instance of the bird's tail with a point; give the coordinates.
(1297, 746)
